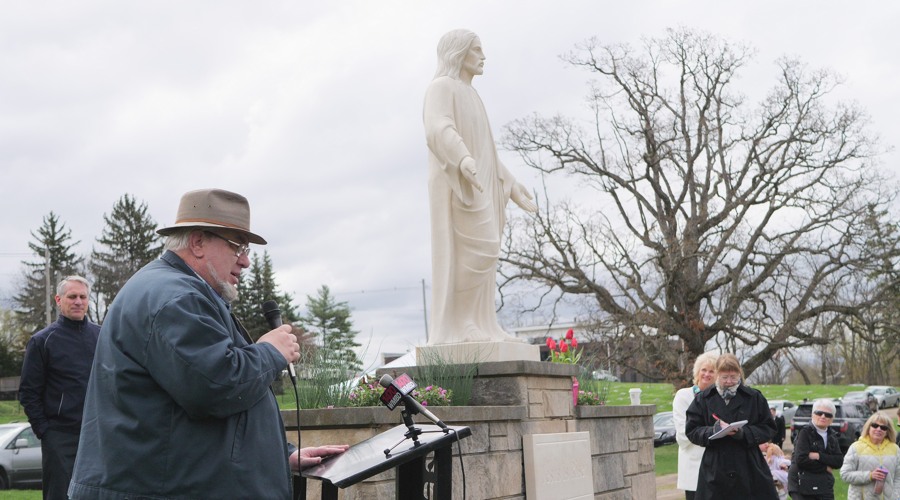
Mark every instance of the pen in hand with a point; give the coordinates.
(722, 423)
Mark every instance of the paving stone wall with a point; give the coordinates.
(526, 398)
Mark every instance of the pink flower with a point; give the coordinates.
(570, 334)
(563, 347)
(574, 342)
(551, 343)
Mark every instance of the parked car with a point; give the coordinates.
(886, 395)
(784, 409)
(605, 375)
(20, 457)
(848, 421)
(663, 429)
(863, 397)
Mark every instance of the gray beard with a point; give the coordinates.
(225, 289)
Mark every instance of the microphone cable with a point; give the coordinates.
(296, 413)
(298, 482)
(462, 468)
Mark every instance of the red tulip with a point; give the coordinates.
(563, 347)
(570, 334)
(574, 343)
(551, 343)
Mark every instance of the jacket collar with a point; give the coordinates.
(870, 448)
(711, 391)
(71, 323)
(177, 262)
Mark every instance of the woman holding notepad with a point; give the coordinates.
(731, 420)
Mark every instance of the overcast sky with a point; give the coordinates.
(313, 110)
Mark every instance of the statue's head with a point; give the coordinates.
(451, 52)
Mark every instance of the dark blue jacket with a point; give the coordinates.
(55, 375)
(179, 403)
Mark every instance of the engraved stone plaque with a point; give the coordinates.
(558, 466)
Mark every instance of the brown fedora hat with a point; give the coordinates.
(214, 208)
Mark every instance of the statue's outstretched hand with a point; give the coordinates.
(523, 198)
(468, 168)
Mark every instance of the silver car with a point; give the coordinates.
(886, 395)
(784, 408)
(20, 456)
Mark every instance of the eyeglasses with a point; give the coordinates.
(882, 427)
(240, 249)
(823, 414)
(729, 378)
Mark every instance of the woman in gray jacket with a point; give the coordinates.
(873, 458)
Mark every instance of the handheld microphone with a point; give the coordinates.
(273, 317)
(396, 390)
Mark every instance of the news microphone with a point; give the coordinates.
(273, 317)
(396, 390)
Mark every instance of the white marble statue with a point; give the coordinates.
(469, 188)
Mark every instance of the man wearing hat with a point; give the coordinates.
(179, 404)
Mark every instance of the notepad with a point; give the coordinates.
(732, 426)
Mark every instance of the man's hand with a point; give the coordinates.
(469, 169)
(283, 340)
(308, 457)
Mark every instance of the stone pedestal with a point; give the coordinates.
(511, 402)
(477, 352)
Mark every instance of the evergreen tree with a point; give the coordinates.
(33, 297)
(257, 286)
(12, 345)
(329, 322)
(129, 241)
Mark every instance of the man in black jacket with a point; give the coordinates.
(55, 375)
(779, 427)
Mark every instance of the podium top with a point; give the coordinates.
(365, 459)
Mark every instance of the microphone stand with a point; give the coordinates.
(413, 432)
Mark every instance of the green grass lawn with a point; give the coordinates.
(21, 495)
(661, 394)
(11, 411)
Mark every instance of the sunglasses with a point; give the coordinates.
(824, 414)
(882, 427)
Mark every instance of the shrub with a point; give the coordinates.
(368, 394)
(433, 396)
(457, 378)
(589, 398)
(365, 394)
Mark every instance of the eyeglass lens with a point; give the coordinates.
(240, 249)
(824, 414)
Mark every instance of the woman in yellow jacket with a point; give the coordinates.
(873, 459)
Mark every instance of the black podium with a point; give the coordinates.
(368, 458)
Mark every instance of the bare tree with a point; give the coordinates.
(716, 220)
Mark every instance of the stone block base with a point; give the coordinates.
(477, 352)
